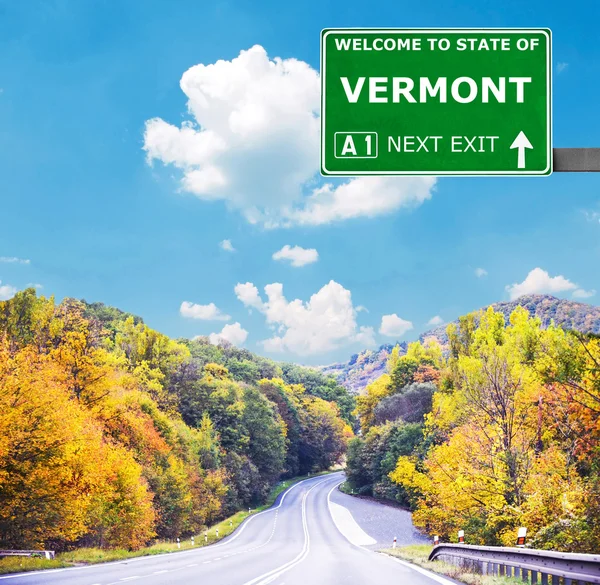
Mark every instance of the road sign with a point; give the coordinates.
(436, 102)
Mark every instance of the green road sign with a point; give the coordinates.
(436, 102)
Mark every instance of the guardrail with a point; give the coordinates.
(539, 566)
(48, 554)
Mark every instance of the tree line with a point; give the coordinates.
(112, 434)
(502, 430)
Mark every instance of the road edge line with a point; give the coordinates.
(435, 576)
(438, 578)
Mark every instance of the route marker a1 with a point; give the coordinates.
(436, 102)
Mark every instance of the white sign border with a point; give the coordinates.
(515, 30)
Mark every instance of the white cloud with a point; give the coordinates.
(394, 326)
(6, 291)
(539, 281)
(227, 246)
(323, 323)
(364, 196)
(593, 216)
(561, 66)
(297, 255)
(254, 144)
(360, 308)
(34, 285)
(234, 334)
(480, 272)
(437, 320)
(208, 312)
(248, 294)
(14, 260)
(580, 293)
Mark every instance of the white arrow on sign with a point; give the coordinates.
(521, 142)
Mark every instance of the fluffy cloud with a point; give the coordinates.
(323, 323)
(14, 260)
(297, 256)
(208, 312)
(249, 295)
(254, 143)
(6, 291)
(234, 334)
(480, 272)
(394, 326)
(580, 293)
(539, 281)
(435, 321)
(227, 246)
(363, 196)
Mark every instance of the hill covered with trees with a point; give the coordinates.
(497, 430)
(368, 365)
(113, 434)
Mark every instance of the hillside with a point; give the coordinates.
(368, 365)
(114, 435)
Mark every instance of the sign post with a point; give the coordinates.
(436, 102)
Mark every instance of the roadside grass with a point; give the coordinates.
(418, 554)
(83, 556)
(22, 564)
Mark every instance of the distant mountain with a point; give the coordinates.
(368, 365)
(363, 367)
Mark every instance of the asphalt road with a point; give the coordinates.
(382, 522)
(298, 541)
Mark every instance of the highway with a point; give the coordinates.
(304, 538)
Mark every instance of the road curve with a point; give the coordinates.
(294, 543)
(382, 522)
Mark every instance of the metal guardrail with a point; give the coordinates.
(537, 566)
(47, 554)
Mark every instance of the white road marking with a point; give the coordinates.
(129, 578)
(206, 562)
(278, 571)
(160, 572)
(434, 576)
(347, 525)
(193, 565)
(425, 572)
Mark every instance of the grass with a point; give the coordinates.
(21, 564)
(99, 555)
(418, 554)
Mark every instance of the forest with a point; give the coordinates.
(114, 435)
(498, 431)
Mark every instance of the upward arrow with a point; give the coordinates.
(521, 142)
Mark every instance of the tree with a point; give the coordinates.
(507, 452)
(411, 404)
(266, 432)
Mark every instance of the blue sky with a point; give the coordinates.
(79, 82)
